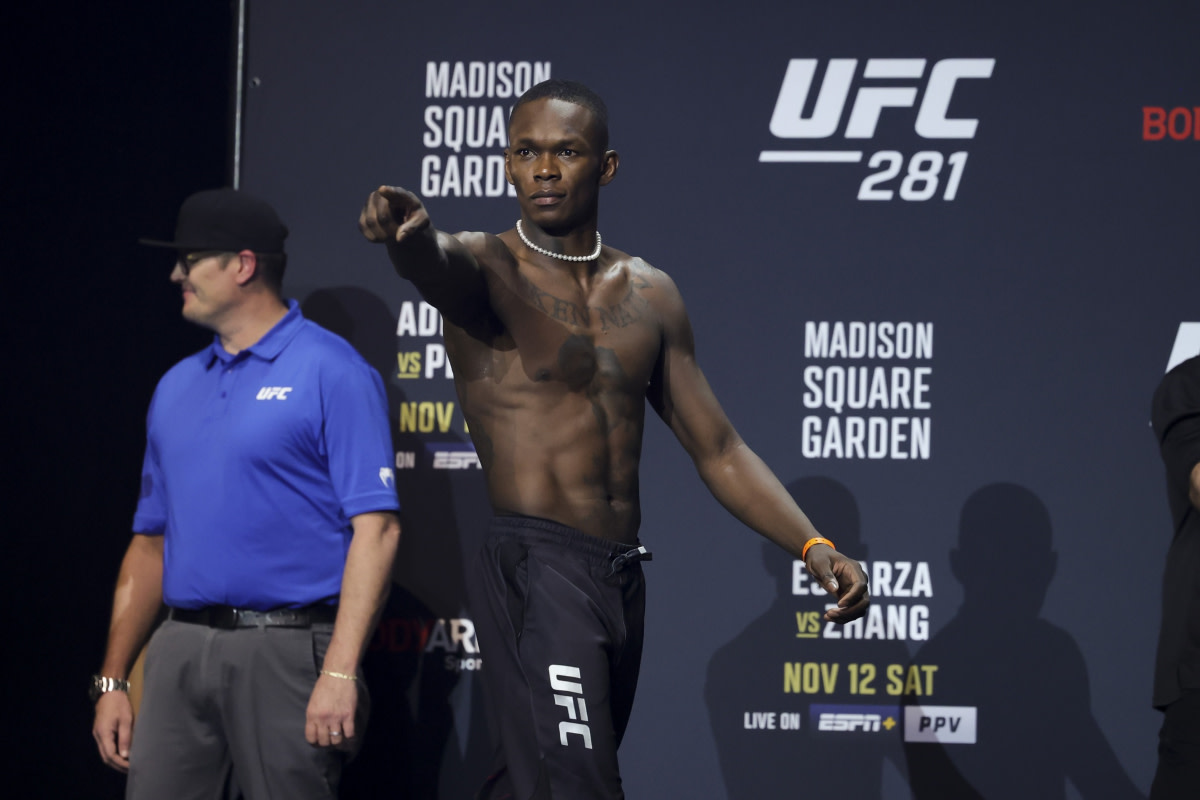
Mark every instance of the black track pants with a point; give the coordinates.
(559, 616)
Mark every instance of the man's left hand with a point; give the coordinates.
(329, 721)
(842, 577)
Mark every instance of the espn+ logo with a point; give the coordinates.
(454, 455)
(883, 85)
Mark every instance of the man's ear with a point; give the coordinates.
(608, 168)
(246, 267)
(507, 173)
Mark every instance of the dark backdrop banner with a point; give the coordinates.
(936, 255)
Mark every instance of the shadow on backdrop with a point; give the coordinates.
(1025, 676)
(427, 737)
(748, 675)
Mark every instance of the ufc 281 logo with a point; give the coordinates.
(576, 706)
(928, 172)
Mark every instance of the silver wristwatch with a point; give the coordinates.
(102, 685)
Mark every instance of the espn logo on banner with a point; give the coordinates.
(852, 718)
(941, 724)
(453, 455)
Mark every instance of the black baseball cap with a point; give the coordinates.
(228, 220)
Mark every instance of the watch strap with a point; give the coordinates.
(102, 684)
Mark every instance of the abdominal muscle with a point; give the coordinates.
(572, 460)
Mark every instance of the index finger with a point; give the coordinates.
(376, 217)
(853, 600)
(310, 731)
(841, 615)
(392, 192)
(124, 740)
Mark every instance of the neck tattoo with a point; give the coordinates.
(594, 255)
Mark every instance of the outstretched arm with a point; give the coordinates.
(730, 469)
(442, 268)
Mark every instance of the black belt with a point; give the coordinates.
(230, 617)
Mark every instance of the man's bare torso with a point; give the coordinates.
(553, 387)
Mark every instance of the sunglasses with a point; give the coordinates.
(189, 260)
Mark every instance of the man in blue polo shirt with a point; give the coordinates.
(266, 524)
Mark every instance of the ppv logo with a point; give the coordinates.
(932, 120)
(942, 724)
(1187, 344)
(274, 392)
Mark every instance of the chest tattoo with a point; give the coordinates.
(626, 311)
(555, 307)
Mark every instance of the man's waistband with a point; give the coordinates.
(229, 617)
(535, 530)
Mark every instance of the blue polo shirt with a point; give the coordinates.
(255, 464)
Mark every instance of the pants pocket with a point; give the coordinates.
(512, 558)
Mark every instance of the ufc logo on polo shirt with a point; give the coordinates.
(274, 392)
(557, 674)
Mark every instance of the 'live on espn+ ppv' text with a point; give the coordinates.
(933, 724)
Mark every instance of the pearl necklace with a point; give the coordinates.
(595, 253)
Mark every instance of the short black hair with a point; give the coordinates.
(571, 92)
(270, 269)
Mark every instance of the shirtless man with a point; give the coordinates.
(556, 341)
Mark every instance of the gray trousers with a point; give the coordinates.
(222, 716)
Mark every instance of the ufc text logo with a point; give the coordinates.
(906, 77)
(274, 392)
(576, 706)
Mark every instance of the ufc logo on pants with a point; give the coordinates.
(576, 706)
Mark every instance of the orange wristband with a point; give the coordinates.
(811, 542)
